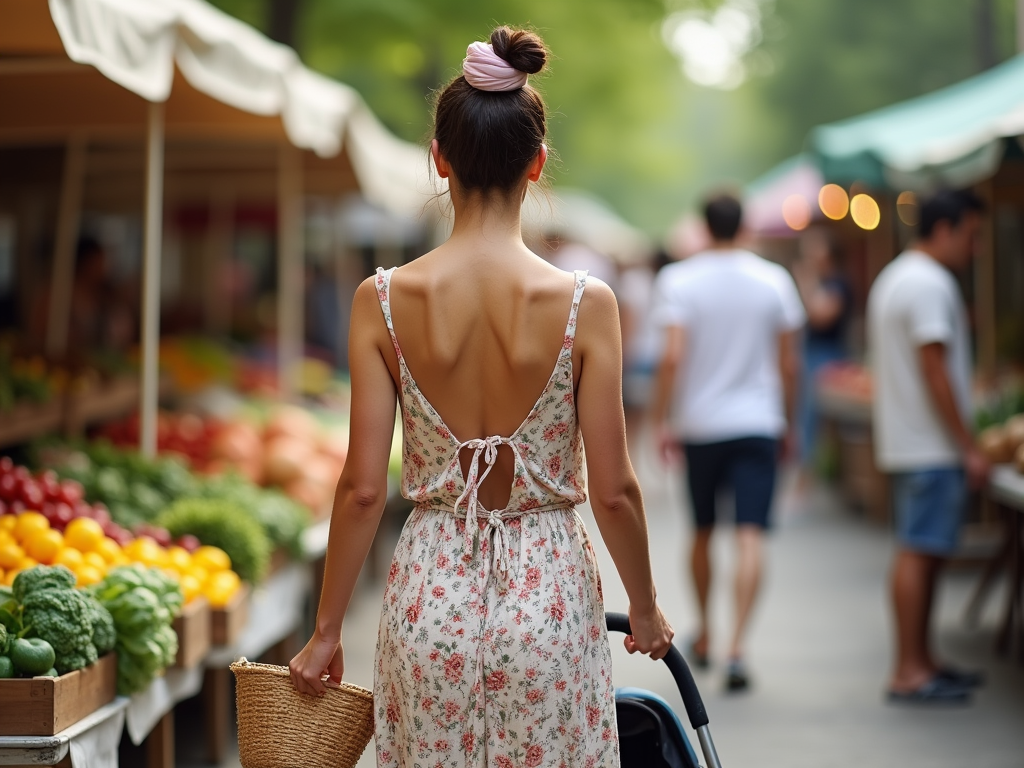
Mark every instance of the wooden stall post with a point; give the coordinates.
(160, 743)
(985, 285)
(220, 234)
(153, 232)
(290, 278)
(69, 213)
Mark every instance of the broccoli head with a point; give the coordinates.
(77, 660)
(62, 618)
(104, 635)
(42, 577)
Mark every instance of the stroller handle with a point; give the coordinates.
(619, 622)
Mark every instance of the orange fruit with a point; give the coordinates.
(110, 550)
(95, 559)
(29, 523)
(27, 562)
(179, 558)
(9, 576)
(197, 572)
(221, 587)
(212, 559)
(84, 534)
(6, 537)
(191, 588)
(44, 546)
(10, 555)
(7, 522)
(70, 557)
(87, 575)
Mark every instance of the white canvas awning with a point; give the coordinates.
(219, 77)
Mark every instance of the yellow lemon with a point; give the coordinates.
(9, 576)
(44, 546)
(221, 587)
(191, 588)
(10, 555)
(69, 557)
(109, 549)
(7, 522)
(87, 575)
(199, 573)
(95, 559)
(179, 557)
(211, 558)
(27, 562)
(84, 534)
(29, 523)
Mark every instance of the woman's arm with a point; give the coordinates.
(614, 490)
(362, 490)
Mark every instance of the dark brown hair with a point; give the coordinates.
(490, 137)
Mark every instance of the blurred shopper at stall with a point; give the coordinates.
(641, 336)
(493, 616)
(919, 341)
(569, 255)
(827, 298)
(726, 392)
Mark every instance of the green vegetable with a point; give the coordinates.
(222, 524)
(104, 634)
(62, 618)
(51, 672)
(142, 603)
(282, 518)
(6, 593)
(32, 655)
(42, 577)
(6, 667)
(4, 640)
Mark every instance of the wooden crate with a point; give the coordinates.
(44, 706)
(228, 622)
(192, 626)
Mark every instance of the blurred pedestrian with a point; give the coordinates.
(920, 346)
(492, 648)
(726, 392)
(571, 255)
(827, 298)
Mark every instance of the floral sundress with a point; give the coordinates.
(492, 648)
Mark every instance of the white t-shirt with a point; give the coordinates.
(915, 301)
(733, 305)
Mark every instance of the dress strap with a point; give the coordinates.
(577, 294)
(384, 297)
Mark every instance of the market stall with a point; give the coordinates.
(138, 115)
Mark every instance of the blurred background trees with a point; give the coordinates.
(654, 100)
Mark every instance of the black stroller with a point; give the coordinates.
(650, 733)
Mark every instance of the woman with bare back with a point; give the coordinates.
(492, 648)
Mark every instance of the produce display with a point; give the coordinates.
(142, 603)
(1004, 443)
(52, 627)
(288, 449)
(138, 490)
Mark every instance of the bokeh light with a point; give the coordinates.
(796, 212)
(865, 211)
(906, 208)
(833, 201)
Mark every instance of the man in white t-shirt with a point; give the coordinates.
(921, 353)
(726, 392)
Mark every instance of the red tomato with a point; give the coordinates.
(31, 494)
(62, 514)
(6, 464)
(8, 487)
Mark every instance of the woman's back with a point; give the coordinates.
(481, 337)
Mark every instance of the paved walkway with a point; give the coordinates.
(819, 649)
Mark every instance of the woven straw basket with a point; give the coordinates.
(278, 727)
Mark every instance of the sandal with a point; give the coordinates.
(737, 679)
(961, 677)
(937, 691)
(697, 660)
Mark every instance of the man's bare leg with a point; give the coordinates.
(749, 543)
(913, 585)
(700, 567)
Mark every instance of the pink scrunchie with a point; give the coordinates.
(487, 71)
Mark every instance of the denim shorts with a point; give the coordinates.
(929, 506)
(746, 466)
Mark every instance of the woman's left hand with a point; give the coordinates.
(320, 657)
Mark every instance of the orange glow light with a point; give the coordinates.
(796, 212)
(906, 208)
(865, 211)
(833, 201)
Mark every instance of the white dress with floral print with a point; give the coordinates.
(492, 648)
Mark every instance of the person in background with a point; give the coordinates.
(570, 256)
(726, 391)
(641, 336)
(827, 299)
(919, 343)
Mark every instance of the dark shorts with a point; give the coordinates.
(746, 466)
(929, 506)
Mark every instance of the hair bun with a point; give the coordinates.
(523, 49)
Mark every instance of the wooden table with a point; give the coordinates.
(1006, 488)
(55, 750)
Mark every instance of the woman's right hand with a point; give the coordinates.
(651, 632)
(321, 657)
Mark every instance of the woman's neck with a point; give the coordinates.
(487, 220)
